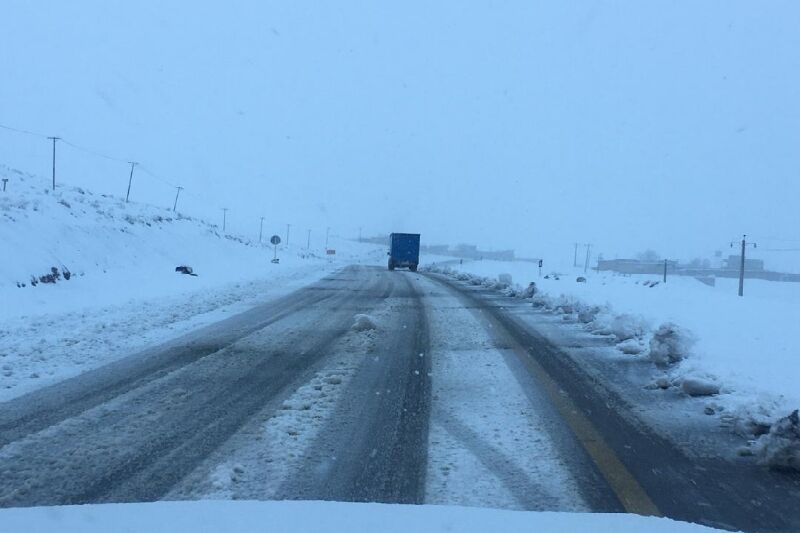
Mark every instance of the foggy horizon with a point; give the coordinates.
(672, 128)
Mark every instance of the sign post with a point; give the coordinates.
(275, 240)
(540, 268)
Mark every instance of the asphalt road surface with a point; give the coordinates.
(139, 428)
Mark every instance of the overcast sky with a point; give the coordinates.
(667, 125)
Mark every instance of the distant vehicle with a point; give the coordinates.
(404, 251)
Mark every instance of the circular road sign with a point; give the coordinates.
(275, 240)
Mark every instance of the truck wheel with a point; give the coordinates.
(391, 264)
(413, 268)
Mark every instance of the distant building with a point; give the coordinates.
(499, 255)
(635, 266)
(467, 250)
(439, 249)
(750, 265)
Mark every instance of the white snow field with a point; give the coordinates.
(317, 517)
(123, 293)
(744, 348)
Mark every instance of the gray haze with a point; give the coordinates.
(632, 125)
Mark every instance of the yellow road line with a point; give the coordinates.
(630, 493)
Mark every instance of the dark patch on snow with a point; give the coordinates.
(780, 448)
(183, 269)
(50, 278)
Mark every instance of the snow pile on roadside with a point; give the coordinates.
(702, 341)
(780, 448)
(318, 517)
(670, 344)
(362, 322)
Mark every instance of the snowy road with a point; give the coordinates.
(447, 395)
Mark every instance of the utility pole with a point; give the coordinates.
(288, 226)
(327, 234)
(130, 179)
(575, 257)
(586, 264)
(665, 270)
(5, 180)
(741, 262)
(175, 205)
(260, 230)
(308, 241)
(54, 159)
(224, 218)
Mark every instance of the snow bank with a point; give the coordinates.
(780, 448)
(695, 386)
(317, 517)
(670, 344)
(707, 340)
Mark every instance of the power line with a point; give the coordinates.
(94, 152)
(91, 151)
(128, 161)
(26, 132)
(154, 175)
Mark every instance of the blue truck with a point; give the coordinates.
(404, 251)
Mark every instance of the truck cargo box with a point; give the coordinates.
(404, 251)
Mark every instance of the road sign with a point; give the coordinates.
(275, 240)
(330, 252)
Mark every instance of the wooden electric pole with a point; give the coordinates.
(130, 179)
(54, 159)
(175, 205)
(586, 264)
(741, 262)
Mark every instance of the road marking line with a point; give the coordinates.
(630, 493)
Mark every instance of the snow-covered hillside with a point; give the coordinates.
(703, 341)
(114, 288)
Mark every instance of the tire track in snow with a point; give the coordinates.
(136, 447)
(35, 411)
(490, 444)
(374, 449)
